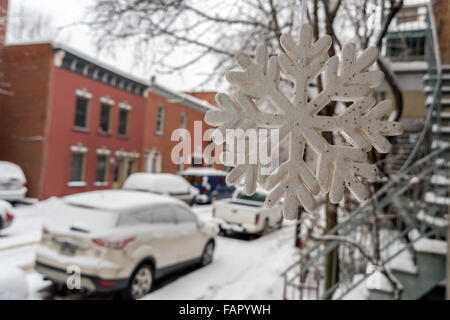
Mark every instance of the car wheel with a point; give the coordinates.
(208, 254)
(266, 227)
(140, 283)
(280, 223)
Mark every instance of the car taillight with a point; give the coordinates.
(107, 283)
(24, 185)
(112, 244)
(9, 217)
(204, 191)
(257, 218)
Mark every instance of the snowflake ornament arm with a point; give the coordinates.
(348, 80)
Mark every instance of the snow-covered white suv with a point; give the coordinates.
(121, 240)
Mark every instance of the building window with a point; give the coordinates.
(153, 162)
(406, 46)
(105, 118)
(160, 118)
(101, 170)
(116, 172)
(183, 123)
(81, 112)
(77, 167)
(123, 122)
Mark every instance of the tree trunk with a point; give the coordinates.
(332, 261)
(393, 85)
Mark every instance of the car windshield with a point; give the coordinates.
(259, 197)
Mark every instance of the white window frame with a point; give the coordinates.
(102, 152)
(152, 156)
(83, 150)
(126, 107)
(160, 119)
(84, 94)
(108, 102)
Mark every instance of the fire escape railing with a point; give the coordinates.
(420, 163)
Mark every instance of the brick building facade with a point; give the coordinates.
(167, 111)
(76, 125)
(71, 124)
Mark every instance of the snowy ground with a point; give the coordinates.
(243, 268)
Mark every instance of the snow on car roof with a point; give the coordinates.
(117, 200)
(156, 182)
(202, 171)
(11, 169)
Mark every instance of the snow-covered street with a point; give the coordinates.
(243, 268)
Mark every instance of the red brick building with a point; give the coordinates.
(71, 123)
(167, 111)
(76, 125)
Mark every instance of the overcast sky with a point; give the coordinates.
(64, 13)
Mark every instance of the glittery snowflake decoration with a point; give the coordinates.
(346, 79)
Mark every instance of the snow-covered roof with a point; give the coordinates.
(117, 200)
(179, 97)
(156, 88)
(202, 171)
(58, 45)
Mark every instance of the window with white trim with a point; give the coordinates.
(123, 122)
(77, 167)
(81, 112)
(153, 162)
(160, 119)
(101, 169)
(105, 117)
(124, 115)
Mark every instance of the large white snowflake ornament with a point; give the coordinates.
(347, 80)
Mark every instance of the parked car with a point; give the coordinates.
(122, 240)
(162, 183)
(247, 214)
(210, 182)
(12, 182)
(6, 214)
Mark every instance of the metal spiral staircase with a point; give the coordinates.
(412, 243)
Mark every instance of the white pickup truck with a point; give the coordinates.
(247, 214)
